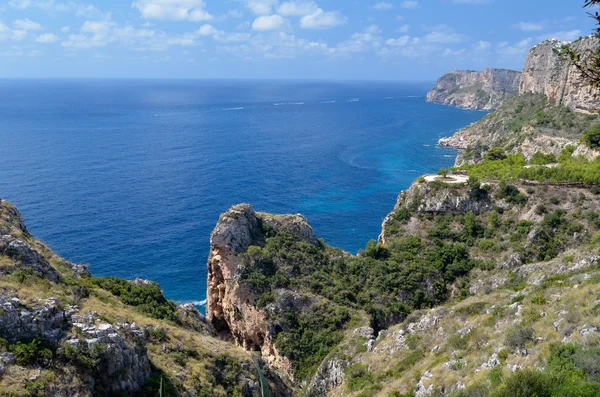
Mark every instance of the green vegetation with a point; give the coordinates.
(34, 352)
(148, 299)
(592, 138)
(569, 170)
(570, 371)
(386, 282)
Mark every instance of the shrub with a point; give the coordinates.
(510, 193)
(476, 192)
(496, 375)
(376, 251)
(359, 377)
(528, 383)
(518, 337)
(592, 137)
(80, 293)
(543, 159)
(33, 352)
(496, 154)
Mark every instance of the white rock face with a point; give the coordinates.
(546, 73)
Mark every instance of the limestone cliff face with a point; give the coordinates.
(483, 90)
(546, 73)
(230, 305)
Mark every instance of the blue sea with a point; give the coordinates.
(130, 176)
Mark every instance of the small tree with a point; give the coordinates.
(592, 137)
(496, 154)
(443, 173)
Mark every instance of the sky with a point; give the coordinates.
(299, 39)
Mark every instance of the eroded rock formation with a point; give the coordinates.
(231, 305)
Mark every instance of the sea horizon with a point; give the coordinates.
(337, 152)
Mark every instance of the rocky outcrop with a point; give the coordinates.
(449, 200)
(45, 319)
(230, 305)
(547, 73)
(469, 89)
(120, 352)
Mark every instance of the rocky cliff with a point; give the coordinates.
(66, 333)
(547, 73)
(231, 303)
(483, 90)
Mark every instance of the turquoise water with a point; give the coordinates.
(130, 176)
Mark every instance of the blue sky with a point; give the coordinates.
(304, 39)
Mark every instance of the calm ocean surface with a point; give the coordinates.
(130, 176)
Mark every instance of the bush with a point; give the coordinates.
(518, 337)
(543, 159)
(33, 352)
(496, 154)
(528, 383)
(510, 193)
(376, 251)
(359, 377)
(592, 137)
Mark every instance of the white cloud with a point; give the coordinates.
(27, 24)
(297, 8)
(360, 42)
(206, 30)
(443, 37)
(450, 52)
(383, 5)
(528, 26)
(65, 29)
(403, 29)
(409, 4)
(97, 27)
(176, 10)
(47, 38)
(268, 22)
(261, 7)
(399, 42)
(482, 45)
(95, 34)
(322, 20)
